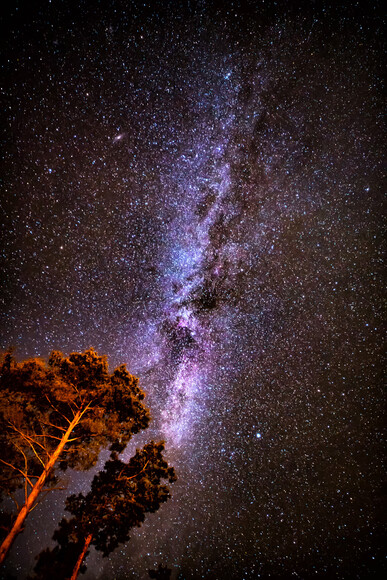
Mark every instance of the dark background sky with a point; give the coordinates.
(196, 191)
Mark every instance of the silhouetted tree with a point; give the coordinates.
(61, 413)
(119, 498)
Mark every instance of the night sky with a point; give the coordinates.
(196, 191)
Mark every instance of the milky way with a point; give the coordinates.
(196, 191)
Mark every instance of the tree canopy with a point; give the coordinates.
(61, 414)
(118, 500)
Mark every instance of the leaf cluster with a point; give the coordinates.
(39, 400)
(118, 500)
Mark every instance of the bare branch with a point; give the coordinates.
(14, 501)
(17, 469)
(50, 436)
(87, 408)
(55, 426)
(46, 491)
(29, 441)
(76, 406)
(6, 479)
(28, 437)
(26, 468)
(132, 476)
(55, 409)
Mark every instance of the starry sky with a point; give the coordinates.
(195, 189)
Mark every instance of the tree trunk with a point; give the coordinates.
(36, 490)
(75, 573)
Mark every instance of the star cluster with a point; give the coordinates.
(196, 191)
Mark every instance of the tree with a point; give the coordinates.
(61, 414)
(119, 498)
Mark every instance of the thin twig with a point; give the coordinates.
(26, 469)
(14, 501)
(29, 439)
(55, 409)
(50, 436)
(132, 476)
(16, 469)
(55, 426)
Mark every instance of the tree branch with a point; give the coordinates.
(50, 436)
(55, 426)
(132, 476)
(26, 468)
(72, 410)
(14, 501)
(29, 439)
(46, 491)
(87, 408)
(55, 409)
(19, 470)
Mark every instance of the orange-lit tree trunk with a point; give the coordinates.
(36, 490)
(81, 557)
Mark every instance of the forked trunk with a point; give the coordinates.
(81, 557)
(36, 490)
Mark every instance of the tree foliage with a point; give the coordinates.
(61, 414)
(118, 500)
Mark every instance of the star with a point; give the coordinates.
(196, 192)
